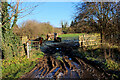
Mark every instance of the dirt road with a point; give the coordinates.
(59, 62)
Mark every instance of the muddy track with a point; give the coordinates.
(66, 66)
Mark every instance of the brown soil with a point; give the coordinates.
(70, 66)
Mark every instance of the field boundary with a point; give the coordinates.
(89, 40)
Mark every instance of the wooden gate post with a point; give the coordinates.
(28, 49)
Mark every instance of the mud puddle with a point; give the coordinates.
(59, 62)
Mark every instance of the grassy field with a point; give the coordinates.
(75, 34)
(70, 35)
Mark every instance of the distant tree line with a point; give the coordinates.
(33, 29)
(64, 27)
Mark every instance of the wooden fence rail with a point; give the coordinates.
(89, 40)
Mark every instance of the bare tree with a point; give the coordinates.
(9, 16)
(64, 26)
(97, 14)
(103, 16)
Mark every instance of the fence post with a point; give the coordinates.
(28, 50)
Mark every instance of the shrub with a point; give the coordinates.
(110, 64)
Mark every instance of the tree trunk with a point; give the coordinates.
(109, 53)
(105, 54)
(101, 35)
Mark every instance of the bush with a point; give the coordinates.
(112, 65)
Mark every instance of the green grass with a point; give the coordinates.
(18, 66)
(95, 55)
(70, 35)
(76, 34)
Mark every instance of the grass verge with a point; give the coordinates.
(18, 66)
(96, 57)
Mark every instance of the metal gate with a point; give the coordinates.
(32, 45)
